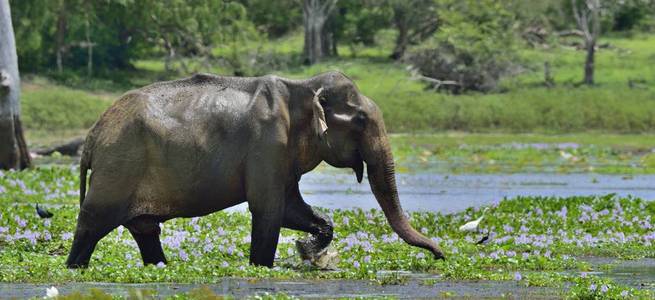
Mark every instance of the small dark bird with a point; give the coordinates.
(43, 213)
(483, 240)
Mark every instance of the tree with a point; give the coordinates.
(415, 21)
(315, 15)
(472, 50)
(356, 22)
(13, 149)
(587, 16)
(275, 18)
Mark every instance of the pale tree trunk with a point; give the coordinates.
(13, 149)
(588, 19)
(60, 34)
(315, 14)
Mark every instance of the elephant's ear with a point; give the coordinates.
(319, 115)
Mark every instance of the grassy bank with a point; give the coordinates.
(456, 152)
(524, 153)
(622, 101)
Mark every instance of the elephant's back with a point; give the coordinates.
(171, 147)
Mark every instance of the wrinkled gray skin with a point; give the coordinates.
(194, 146)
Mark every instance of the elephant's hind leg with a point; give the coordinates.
(90, 229)
(145, 231)
(298, 215)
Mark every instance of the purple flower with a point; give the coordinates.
(604, 289)
(356, 264)
(345, 221)
(624, 293)
(161, 264)
(420, 255)
(183, 255)
(508, 228)
(517, 276)
(583, 275)
(20, 222)
(225, 264)
(592, 287)
(66, 236)
(367, 258)
(563, 212)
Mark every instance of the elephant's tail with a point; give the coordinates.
(85, 165)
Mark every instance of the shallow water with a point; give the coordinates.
(638, 273)
(324, 289)
(451, 193)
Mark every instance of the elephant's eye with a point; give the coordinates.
(322, 100)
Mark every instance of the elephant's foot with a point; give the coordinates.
(323, 258)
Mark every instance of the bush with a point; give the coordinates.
(474, 47)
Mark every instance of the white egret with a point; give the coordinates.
(51, 292)
(473, 225)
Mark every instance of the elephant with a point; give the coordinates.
(194, 146)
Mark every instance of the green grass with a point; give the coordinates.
(46, 106)
(521, 153)
(525, 105)
(542, 239)
(457, 152)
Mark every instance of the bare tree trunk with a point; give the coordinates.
(315, 14)
(589, 64)
(402, 40)
(588, 19)
(13, 149)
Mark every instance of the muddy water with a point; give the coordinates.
(451, 193)
(324, 289)
(639, 274)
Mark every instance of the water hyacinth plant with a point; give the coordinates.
(534, 241)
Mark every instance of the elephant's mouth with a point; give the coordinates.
(358, 167)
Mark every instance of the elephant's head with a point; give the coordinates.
(354, 134)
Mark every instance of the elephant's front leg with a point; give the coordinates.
(298, 215)
(265, 191)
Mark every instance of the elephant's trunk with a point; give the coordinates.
(381, 176)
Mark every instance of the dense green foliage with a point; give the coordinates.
(481, 43)
(123, 31)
